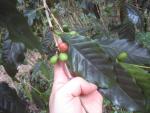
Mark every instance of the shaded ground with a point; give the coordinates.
(24, 70)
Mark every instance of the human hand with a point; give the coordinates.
(73, 96)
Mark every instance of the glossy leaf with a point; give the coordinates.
(136, 53)
(31, 14)
(90, 7)
(144, 38)
(44, 68)
(142, 78)
(9, 100)
(37, 98)
(48, 45)
(13, 54)
(125, 31)
(88, 60)
(41, 78)
(131, 14)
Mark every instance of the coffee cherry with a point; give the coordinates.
(54, 59)
(122, 56)
(63, 47)
(63, 57)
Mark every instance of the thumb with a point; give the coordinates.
(79, 86)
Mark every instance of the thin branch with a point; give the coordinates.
(47, 14)
(48, 11)
(57, 40)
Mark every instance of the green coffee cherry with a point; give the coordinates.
(122, 56)
(63, 57)
(54, 59)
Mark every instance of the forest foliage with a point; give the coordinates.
(109, 45)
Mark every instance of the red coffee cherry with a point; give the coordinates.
(63, 47)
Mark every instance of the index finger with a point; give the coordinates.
(59, 73)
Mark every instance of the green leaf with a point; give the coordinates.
(46, 71)
(90, 7)
(38, 99)
(125, 30)
(142, 78)
(144, 38)
(13, 54)
(89, 61)
(136, 53)
(131, 14)
(31, 14)
(9, 100)
(44, 68)
(27, 91)
(48, 44)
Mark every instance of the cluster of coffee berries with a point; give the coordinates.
(61, 55)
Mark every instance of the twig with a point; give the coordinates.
(49, 20)
(57, 22)
(47, 14)
(48, 11)
(57, 40)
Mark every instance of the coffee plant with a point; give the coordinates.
(106, 42)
